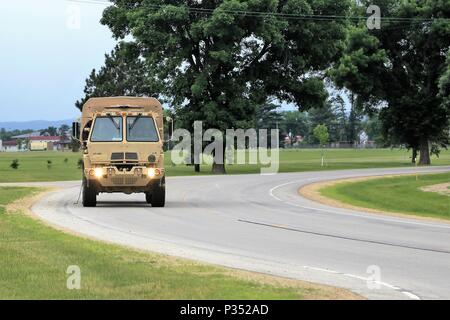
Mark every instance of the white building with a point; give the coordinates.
(10, 146)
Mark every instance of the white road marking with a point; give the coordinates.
(321, 269)
(406, 293)
(411, 295)
(354, 276)
(365, 279)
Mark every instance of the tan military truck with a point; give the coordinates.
(122, 143)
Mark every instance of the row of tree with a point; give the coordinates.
(221, 62)
(343, 125)
(63, 131)
(6, 135)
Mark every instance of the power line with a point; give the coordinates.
(98, 2)
(267, 14)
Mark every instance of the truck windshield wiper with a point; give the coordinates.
(114, 122)
(134, 122)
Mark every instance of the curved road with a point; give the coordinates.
(260, 223)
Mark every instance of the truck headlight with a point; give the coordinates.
(98, 172)
(151, 173)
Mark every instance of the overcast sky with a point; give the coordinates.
(48, 48)
(46, 54)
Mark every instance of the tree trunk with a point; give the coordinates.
(195, 160)
(414, 155)
(424, 152)
(219, 168)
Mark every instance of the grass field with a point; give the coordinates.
(34, 259)
(395, 194)
(33, 165)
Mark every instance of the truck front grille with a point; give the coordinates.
(120, 156)
(131, 156)
(130, 180)
(120, 181)
(117, 156)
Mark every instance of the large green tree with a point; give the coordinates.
(396, 69)
(444, 94)
(218, 60)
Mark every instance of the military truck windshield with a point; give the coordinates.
(141, 129)
(107, 129)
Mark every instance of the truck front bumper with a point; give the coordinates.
(110, 179)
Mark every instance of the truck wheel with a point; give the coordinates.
(89, 196)
(148, 197)
(158, 196)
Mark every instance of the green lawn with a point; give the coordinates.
(34, 260)
(395, 194)
(33, 165)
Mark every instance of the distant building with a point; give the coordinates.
(293, 141)
(27, 135)
(363, 139)
(65, 143)
(36, 142)
(49, 143)
(10, 146)
(43, 143)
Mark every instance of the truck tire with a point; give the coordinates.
(89, 195)
(148, 197)
(158, 195)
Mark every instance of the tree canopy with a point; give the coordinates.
(224, 62)
(217, 61)
(396, 70)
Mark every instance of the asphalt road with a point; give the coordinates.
(260, 223)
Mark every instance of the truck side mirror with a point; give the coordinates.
(76, 130)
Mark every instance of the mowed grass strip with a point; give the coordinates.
(395, 194)
(34, 259)
(33, 166)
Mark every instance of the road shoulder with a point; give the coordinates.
(311, 291)
(312, 192)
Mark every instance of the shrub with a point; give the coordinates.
(80, 163)
(15, 164)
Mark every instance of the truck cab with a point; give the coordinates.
(122, 143)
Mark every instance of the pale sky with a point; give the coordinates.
(47, 49)
(46, 53)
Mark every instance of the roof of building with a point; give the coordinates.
(11, 143)
(27, 135)
(45, 138)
